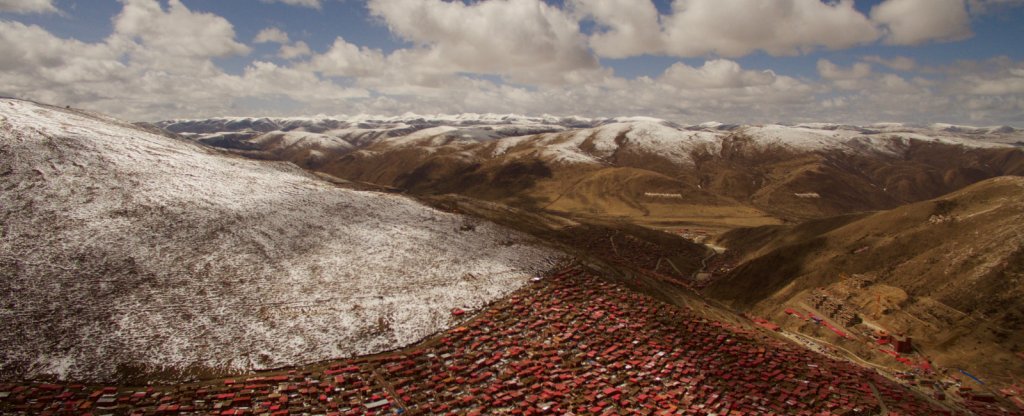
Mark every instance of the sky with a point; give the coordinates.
(688, 61)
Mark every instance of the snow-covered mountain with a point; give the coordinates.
(124, 251)
(549, 161)
(569, 139)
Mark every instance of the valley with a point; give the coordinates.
(512, 208)
(645, 170)
(473, 265)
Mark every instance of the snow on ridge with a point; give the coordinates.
(303, 139)
(565, 121)
(482, 118)
(594, 145)
(427, 137)
(571, 140)
(127, 248)
(811, 137)
(955, 128)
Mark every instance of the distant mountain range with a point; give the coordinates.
(364, 129)
(612, 166)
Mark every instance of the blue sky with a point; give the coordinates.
(688, 60)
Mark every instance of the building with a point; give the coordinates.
(903, 345)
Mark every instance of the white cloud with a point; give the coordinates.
(140, 72)
(779, 27)
(270, 79)
(728, 28)
(912, 22)
(348, 60)
(524, 40)
(899, 63)
(1001, 82)
(271, 35)
(177, 33)
(313, 4)
(831, 71)
(27, 6)
(288, 51)
(734, 28)
(719, 73)
(151, 67)
(295, 50)
(628, 26)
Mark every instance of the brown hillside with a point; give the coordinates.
(745, 182)
(947, 271)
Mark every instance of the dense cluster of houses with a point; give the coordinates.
(624, 249)
(567, 344)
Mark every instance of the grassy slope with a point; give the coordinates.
(948, 271)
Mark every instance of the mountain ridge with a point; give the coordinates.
(772, 171)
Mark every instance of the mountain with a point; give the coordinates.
(655, 172)
(128, 253)
(949, 272)
(138, 254)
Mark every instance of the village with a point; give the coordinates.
(831, 310)
(569, 343)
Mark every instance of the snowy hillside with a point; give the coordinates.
(679, 144)
(593, 145)
(124, 252)
(572, 140)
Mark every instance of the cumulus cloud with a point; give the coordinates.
(271, 35)
(150, 67)
(1002, 79)
(899, 63)
(628, 27)
(295, 50)
(831, 71)
(176, 33)
(719, 73)
(521, 56)
(912, 22)
(735, 28)
(345, 59)
(523, 40)
(779, 27)
(40, 65)
(728, 28)
(27, 6)
(288, 50)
